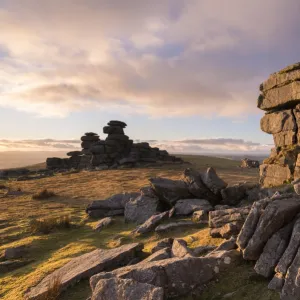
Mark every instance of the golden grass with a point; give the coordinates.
(43, 194)
(47, 225)
(54, 289)
(75, 191)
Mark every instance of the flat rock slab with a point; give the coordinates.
(103, 223)
(186, 207)
(175, 225)
(85, 266)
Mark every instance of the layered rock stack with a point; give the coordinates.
(249, 163)
(116, 150)
(280, 98)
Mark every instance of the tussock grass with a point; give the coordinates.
(43, 194)
(54, 289)
(47, 225)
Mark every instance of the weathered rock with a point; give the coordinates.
(251, 222)
(213, 181)
(197, 188)
(177, 276)
(249, 163)
(161, 254)
(226, 231)
(291, 250)
(273, 250)
(162, 244)
(147, 191)
(222, 207)
(85, 266)
(188, 206)
(276, 283)
(200, 216)
(126, 289)
(227, 245)
(281, 78)
(170, 191)
(180, 249)
(175, 225)
(201, 250)
(219, 218)
(232, 195)
(103, 223)
(277, 214)
(112, 206)
(15, 252)
(280, 97)
(140, 209)
(151, 223)
(273, 175)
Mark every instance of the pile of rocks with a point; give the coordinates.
(270, 236)
(116, 150)
(249, 163)
(280, 98)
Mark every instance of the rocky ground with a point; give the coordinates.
(42, 253)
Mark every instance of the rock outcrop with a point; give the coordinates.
(280, 98)
(270, 236)
(249, 163)
(115, 151)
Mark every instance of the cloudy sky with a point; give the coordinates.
(182, 73)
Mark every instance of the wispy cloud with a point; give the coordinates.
(162, 59)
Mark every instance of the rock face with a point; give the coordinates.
(116, 150)
(270, 236)
(280, 98)
(85, 266)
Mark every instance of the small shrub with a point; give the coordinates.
(44, 194)
(54, 289)
(48, 224)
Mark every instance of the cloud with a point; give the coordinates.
(191, 146)
(168, 58)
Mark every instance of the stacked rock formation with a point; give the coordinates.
(117, 149)
(270, 236)
(249, 163)
(280, 98)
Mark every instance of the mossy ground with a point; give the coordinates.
(74, 192)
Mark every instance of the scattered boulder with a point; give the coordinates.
(104, 223)
(151, 223)
(140, 209)
(232, 195)
(112, 206)
(201, 250)
(180, 249)
(15, 252)
(10, 265)
(175, 225)
(213, 181)
(186, 207)
(200, 216)
(162, 244)
(170, 191)
(161, 254)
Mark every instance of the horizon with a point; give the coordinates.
(183, 75)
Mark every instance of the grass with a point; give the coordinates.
(54, 289)
(43, 194)
(75, 191)
(47, 225)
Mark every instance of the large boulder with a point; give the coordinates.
(232, 195)
(140, 209)
(126, 289)
(213, 181)
(180, 249)
(197, 187)
(170, 191)
(114, 205)
(85, 266)
(186, 207)
(177, 276)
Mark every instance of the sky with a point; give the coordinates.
(183, 74)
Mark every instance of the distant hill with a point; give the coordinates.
(15, 159)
